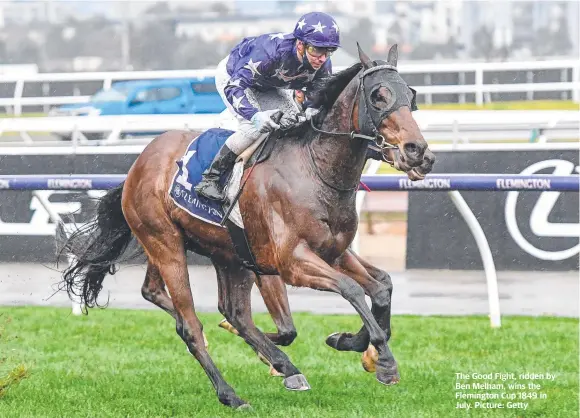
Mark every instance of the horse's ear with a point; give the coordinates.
(366, 61)
(393, 55)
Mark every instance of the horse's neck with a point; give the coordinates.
(339, 158)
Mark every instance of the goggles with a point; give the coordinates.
(317, 52)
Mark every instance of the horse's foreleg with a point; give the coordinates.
(370, 356)
(235, 284)
(378, 285)
(306, 269)
(273, 291)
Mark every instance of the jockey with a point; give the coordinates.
(265, 63)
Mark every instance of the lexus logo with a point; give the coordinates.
(539, 224)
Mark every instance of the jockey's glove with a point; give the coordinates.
(310, 112)
(290, 120)
(263, 122)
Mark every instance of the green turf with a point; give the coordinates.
(117, 363)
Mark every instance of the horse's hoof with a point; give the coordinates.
(388, 375)
(369, 359)
(296, 382)
(338, 340)
(228, 327)
(233, 401)
(244, 407)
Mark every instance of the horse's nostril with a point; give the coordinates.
(413, 149)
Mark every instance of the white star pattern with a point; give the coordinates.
(253, 67)
(335, 26)
(318, 27)
(234, 83)
(276, 35)
(310, 76)
(238, 102)
(301, 24)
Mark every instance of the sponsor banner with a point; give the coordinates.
(69, 184)
(26, 231)
(440, 184)
(526, 230)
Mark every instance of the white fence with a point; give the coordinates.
(480, 89)
(436, 125)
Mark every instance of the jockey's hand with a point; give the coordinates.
(267, 120)
(290, 120)
(310, 112)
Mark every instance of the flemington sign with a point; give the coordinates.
(540, 214)
(71, 183)
(526, 230)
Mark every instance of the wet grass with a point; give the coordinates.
(129, 363)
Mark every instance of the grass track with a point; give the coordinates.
(117, 363)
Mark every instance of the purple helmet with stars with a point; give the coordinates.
(318, 29)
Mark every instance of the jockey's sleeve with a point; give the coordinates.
(247, 77)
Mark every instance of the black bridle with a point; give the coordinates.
(370, 116)
(370, 119)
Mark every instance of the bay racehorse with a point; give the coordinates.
(298, 210)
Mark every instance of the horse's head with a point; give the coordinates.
(384, 111)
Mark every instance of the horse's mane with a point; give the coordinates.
(326, 90)
(324, 93)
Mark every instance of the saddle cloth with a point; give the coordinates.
(197, 158)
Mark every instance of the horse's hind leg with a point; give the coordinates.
(235, 284)
(167, 257)
(153, 290)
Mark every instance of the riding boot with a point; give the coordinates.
(209, 186)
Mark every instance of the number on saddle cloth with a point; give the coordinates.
(198, 157)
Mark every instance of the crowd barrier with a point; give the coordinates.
(436, 125)
(450, 183)
(472, 81)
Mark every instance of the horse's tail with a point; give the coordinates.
(94, 248)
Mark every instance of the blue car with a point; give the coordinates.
(137, 97)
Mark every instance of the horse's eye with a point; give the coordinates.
(380, 97)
